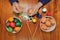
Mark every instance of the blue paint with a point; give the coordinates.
(39, 16)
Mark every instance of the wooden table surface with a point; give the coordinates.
(24, 34)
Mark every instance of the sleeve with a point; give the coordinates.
(44, 1)
(12, 1)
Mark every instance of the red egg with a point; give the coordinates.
(12, 24)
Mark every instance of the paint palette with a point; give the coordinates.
(13, 25)
(47, 24)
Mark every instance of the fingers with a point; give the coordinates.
(31, 12)
(16, 8)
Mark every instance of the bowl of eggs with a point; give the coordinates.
(47, 24)
(13, 25)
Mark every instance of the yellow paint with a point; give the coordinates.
(34, 20)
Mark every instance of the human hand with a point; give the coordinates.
(16, 8)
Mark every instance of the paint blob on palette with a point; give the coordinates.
(13, 25)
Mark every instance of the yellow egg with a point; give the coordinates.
(34, 20)
(11, 19)
(17, 29)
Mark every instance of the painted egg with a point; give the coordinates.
(18, 24)
(8, 23)
(11, 19)
(16, 20)
(12, 24)
(17, 29)
(10, 29)
(34, 20)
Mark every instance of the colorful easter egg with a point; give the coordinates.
(12, 24)
(18, 24)
(34, 20)
(8, 23)
(17, 29)
(16, 20)
(11, 19)
(10, 29)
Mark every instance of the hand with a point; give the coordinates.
(31, 11)
(16, 8)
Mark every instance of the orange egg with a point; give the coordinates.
(17, 29)
(11, 19)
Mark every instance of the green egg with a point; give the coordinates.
(16, 20)
(10, 29)
(18, 24)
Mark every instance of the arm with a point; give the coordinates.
(37, 6)
(44, 1)
(12, 1)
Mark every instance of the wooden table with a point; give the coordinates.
(24, 34)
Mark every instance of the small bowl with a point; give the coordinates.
(51, 28)
(12, 28)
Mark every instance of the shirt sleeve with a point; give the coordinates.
(12, 1)
(44, 1)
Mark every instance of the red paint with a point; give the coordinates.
(48, 14)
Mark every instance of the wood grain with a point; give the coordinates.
(24, 34)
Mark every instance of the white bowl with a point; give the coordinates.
(51, 28)
(13, 31)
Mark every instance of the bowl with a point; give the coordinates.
(47, 24)
(13, 24)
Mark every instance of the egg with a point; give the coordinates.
(16, 20)
(12, 24)
(17, 29)
(8, 23)
(18, 24)
(34, 20)
(11, 19)
(10, 29)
